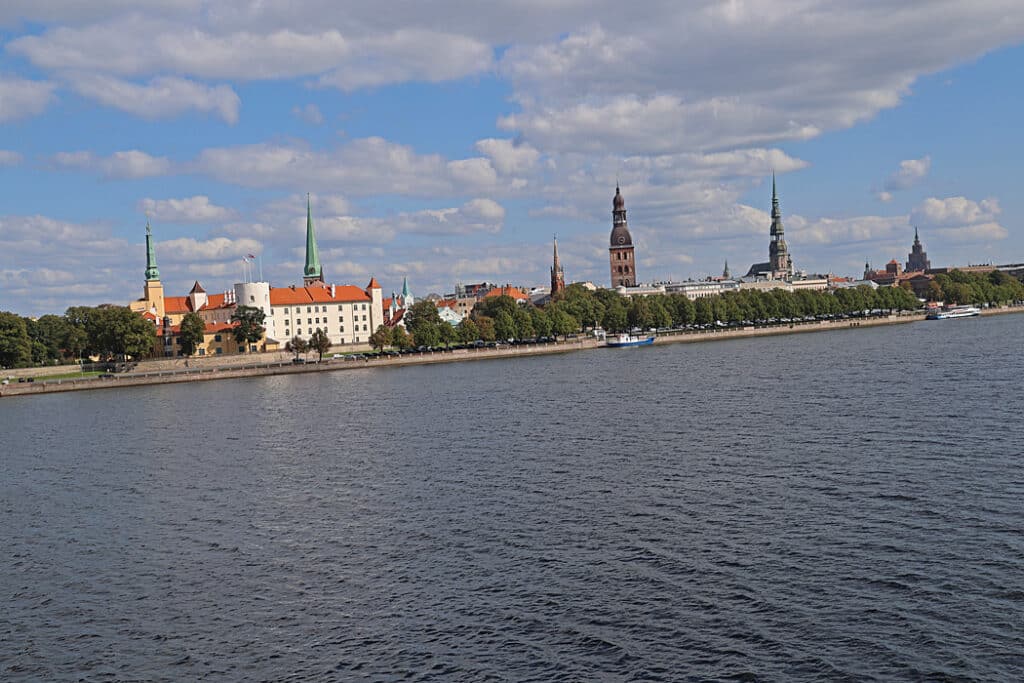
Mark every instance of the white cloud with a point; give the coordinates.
(910, 173)
(310, 114)
(163, 97)
(20, 98)
(196, 209)
(960, 218)
(188, 249)
(9, 158)
(508, 157)
(125, 164)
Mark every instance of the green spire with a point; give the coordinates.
(312, 269)
(152, 272)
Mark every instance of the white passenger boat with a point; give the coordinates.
(622, 340)
(954, 312)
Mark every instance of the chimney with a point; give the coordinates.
(332, 291)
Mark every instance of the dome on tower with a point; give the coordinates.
(618, 203)
(621, 236)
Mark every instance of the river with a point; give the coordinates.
(842, 505)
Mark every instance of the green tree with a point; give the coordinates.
(468, 331)
(248, 325)
(541, 322)
(562, 323)
(640, 313)
(422, 321)
(319, 342)
(485, 326)
(447, 334)
(616, 317)
(427, 335)
(494, 305)
(193, 331)
(49, 335)
(297, 345)
(381, 337)
(15, 345)
(400, 338)
(504, 326)
(523, 323)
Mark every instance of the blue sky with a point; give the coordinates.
(450, 145)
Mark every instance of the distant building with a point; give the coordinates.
(557, 274)
(620, 252)
(519, 295)
(475, 290)
(917, 259)
(779, 265)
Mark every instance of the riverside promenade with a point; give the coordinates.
(164, 371)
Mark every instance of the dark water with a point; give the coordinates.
(835, 506)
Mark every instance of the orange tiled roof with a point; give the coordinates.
(283, 296)
(176, 304)
(513, 292)
(373, 284)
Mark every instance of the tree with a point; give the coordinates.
(193, 331)
(504, 326)
(468, 331)
(319, 342)
(248, 325)
(447, 334)
(562, 323)
(297, 345)
(423, 322)
(523, 323)
(541, 322)
(616, 317)
(400, 338)
(15, 345)
(49, 337)
(381, 337)
(485, 326)
(118, 332)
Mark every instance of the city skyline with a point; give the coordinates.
(447, 147)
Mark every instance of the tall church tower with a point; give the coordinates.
(557, 274)
(153, 290)
(313, 273)
(779, 261)
(620, 253)
(917, 259)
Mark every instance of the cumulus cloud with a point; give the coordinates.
(196, 209)
(961, 218)
(163, 97)
(122, 165)
(9, 158)
(20, 98)
(507, 156)
(910, 173)
(188, 249)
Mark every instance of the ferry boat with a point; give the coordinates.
(622, 340)
(954, 312)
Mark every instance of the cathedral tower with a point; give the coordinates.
(557, 274)
(313, 273)
(620, 253)
(779, 261)
(917, 259)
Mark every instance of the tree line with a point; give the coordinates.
(958, 287)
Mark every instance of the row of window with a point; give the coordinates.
(621, 256)
(316, 309)
(341, 330)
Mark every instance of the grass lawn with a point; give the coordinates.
(68, 375)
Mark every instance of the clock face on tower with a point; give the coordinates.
(622, 239)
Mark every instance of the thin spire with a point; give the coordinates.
(313, 269)
(152, 272)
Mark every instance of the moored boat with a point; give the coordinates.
(954, 312)
(623, 340)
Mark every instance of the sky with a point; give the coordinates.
(450, 141)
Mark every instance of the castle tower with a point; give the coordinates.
(313, 273)
(779, 261)
(917, 259)
(557, 274)
(620, 252)
(153, 290)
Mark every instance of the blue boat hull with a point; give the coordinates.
(639, 342)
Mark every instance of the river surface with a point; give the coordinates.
(846, 505)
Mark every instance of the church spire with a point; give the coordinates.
(726, 275)
(152, 272)
(557, 274)
(313, 272)
(407, 298)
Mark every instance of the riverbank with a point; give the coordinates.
(165, 371)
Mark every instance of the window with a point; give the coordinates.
(286, 311)
(339, 308)
(309, 321)
(318, 321)
(251, 298)
(216, 337)
(357, 340)
(219, 350)
(202, 352)
(252, 347)
(286, 332)
(307, 309)
(341, 329)
(364, 328)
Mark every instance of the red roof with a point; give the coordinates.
(514, 292)
(283, 296)
(177, 304)
(373, 284)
